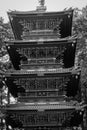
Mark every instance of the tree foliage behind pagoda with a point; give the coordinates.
(5, 34)
(80, 29)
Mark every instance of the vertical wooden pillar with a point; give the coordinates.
(8, 97)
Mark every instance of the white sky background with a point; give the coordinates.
(27, 5)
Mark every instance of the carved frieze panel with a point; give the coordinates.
(29, 25)
(34, 86)
(41, 52)
(42, 87)
(42, 55)
(42, 83)
(41, 118)
(49, 54)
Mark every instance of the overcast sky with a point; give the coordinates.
(27, 5)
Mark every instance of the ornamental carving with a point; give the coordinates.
(37, 24)
(43, 86)
(41, 118)
(42, 55)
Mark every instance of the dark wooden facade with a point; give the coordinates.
(35, 25)
(58, 116)
(44, 79)
(45, 53)
(43, 85)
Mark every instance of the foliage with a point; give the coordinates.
(5, 64)
(80, 29)
(5, 32)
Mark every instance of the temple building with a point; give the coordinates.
(44, 79)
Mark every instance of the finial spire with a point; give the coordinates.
(41, 6)
(41, 2)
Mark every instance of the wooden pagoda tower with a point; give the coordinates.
(44, 79)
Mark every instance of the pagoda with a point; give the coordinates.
(44, 78)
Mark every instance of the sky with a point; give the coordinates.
(28, 5)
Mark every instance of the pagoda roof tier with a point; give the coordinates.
(36, 24)
(48, 115)
(42, 53)
(43, 85)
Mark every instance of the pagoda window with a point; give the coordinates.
(31, 119)
(27, 85)
(41, 25)
(30, 25)
(53, 118)
(42, 118)
(32, 84)
(21, 81)
(59, 60)
(26, 52)
(33, 53)
(33, 25)
(22, 118)
(41, 84)
(52, 83)
(45, 22)
(41, 53)
(50, 52)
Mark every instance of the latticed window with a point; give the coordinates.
(41, 84)
(32, 84)
(22, 81)
(41, 25)
(50, 52)
(33, 53)
(42, 118)
(31, 119)
(41, 52)
(42, 56)
(51, 83)
(33, 25)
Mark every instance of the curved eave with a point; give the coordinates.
(45, 106)
(17, 27)
(43, 71)
(58, 40)
(38, 12)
